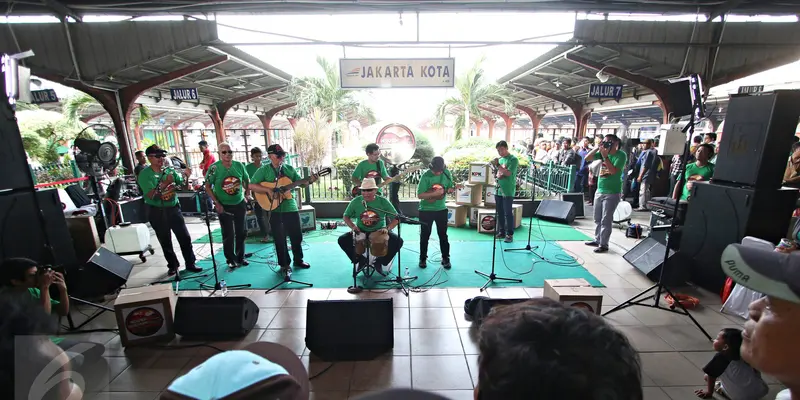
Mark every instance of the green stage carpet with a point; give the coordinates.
(542, 230)
(330, 268)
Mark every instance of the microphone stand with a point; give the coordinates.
(528, 247)
(492, 277)
(217, 282)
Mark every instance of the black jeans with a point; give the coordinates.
(259, 213)
(348, 246)
(505, 214)
(581, 182)
(428, 218)
(234, 231)
(169, 219)
(283, 224)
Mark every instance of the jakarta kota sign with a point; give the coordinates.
(361, 73)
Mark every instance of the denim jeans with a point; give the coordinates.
(505, 214)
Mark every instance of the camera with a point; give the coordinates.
(607, 144)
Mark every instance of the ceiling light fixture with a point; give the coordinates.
(602, 76)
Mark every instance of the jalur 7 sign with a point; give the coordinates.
(396, 73)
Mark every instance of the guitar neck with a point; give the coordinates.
(295, 184)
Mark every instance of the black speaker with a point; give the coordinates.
(215, 317)
(648, 257)
(350, 330)
(13, 160)
(21, 233)
(103, 274)
(556, 210)
(577, 200)
(719, 215)
(757, 138)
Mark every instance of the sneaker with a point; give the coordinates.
(500, 235)
(194, 268)
(302, 264)
(592, 244)
(446, 263)
(601, 249)
(423, 263)
(509, 239)
(244, 263)
(172, 271)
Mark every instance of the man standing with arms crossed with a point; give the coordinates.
(506, 188)
(609, 189)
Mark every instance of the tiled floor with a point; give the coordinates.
(434, 345)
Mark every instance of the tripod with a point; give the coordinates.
(528, 247)
(217, 282)
(695, 87)
(492, 276)
(400, 280)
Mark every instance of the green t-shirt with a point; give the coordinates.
(426, 182)
(148, 180)
(37, 294)
(507, 185)
(251, 169)
(228, 184)
(608, 183)
(365, 169)
(693, 173)
(267, 174)
(369, 220)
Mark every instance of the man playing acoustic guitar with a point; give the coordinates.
(432, 190)
(373, 167)
(285, 219)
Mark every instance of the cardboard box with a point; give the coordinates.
(479, 173)
(490, 201)
(308, 218)
(473, 214)
(486, 221)
(456, 215)
(574, 293)
(145, 315)
(517, 215)
(469, 194)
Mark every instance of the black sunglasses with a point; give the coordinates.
(226, 152)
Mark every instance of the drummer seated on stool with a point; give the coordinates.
(366, 216)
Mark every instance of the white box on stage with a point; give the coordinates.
(672, 140)
(473, 214)
(491, 191)
(517, 215)
(128, 239)
(574, 293)
(469, 194)
(145, 314)
(486, 221)
(308, 218)
(456, 215)
(479, 173)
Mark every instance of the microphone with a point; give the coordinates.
(364, 203)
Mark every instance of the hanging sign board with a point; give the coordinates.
(605, 91)
(44, 96)
(359, 73)
(184, 94)
(750, 89)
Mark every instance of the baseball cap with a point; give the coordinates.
(437, 163)
(276, 149)
(153, 150)
(769, 272)
(260, 370)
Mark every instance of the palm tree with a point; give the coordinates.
(473, 91)
(325, 94)
(75, 105)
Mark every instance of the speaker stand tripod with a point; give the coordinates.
(639, 299)
(492, 277)
(399, 279)
(528, 247)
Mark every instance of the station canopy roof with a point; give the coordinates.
(114, 55)
(651, 50)
(179, 7)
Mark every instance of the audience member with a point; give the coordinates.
(737, 379)
(791, 176)
(769, 340)
(542, 349)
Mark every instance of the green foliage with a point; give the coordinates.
(44, 131)
(26, 107)
(473, 142)
(424, 151)
(160, 140)
(312, 135)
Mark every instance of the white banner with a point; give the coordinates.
(358, 73)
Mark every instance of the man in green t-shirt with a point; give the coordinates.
(506, 175)
(369, 212)
(159, 185)
(700, 170)
(227, 185)
(373, 167)
(285, 218)
(433, 187)
(256, 155)
(609, 189)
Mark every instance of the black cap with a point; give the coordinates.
(276, 149)
(202, 143)
(437, 163)
(154, 150)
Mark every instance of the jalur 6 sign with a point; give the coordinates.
(396, 73)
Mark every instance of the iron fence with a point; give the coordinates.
(552, 178)
(54, 172)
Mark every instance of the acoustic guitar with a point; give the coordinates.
(272, 199)
(356, 192)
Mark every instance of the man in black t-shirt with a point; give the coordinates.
(141, 162)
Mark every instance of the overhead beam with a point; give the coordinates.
(266, 118)
(724, 8)
(226, 105)
(61, 10)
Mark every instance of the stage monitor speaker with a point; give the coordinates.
(103, 274)
(215, 317)
(13, 160)
(757, 137)
(577, 200)
(556, 210)
(648, 257)
(350, 330)
(719, 215)
(21, 233)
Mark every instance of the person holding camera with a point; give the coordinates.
(609, 189)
